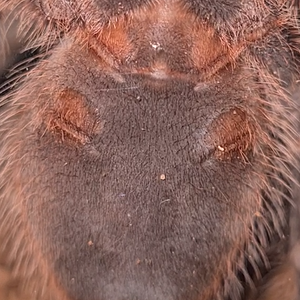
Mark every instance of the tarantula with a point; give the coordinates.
(150, 149)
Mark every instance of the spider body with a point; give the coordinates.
(151, 152)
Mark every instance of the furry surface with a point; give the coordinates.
(150, 150)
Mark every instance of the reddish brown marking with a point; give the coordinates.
(116, 40)
(73, 117)
(232, 134)
(180, 34)
(170, 25)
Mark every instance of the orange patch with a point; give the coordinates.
(169, 36)
(167, 28)
(72, 117)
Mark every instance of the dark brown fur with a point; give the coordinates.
(152, 152)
